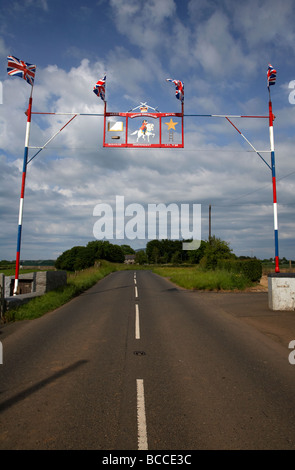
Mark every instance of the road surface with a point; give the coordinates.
(136, 363)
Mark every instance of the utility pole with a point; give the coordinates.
(209, 223)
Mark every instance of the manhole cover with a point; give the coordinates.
(139, 353)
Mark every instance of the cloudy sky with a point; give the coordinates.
(220, 49)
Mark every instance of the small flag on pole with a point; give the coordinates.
(99, 88)
(179, 87)
(271, 75)
(21, 69)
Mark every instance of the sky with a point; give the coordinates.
(220, 50)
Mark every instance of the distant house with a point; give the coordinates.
(129, 259)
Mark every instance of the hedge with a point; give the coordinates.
(250, 268)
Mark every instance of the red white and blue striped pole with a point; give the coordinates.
(21, 204)
(271, 79)
(273, 169)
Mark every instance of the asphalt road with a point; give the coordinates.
(136, 363)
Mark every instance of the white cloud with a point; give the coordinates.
(23, 6)
(267, 22)
(143, 22)
(217, 49)
(74, 173)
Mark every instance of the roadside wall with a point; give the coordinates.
(50, 280)
(32, 285)
(37, 282)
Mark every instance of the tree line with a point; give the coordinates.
(170, 251)
(156, 252)
(81, 257)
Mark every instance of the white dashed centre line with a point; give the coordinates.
(137, 328)
(141, 417)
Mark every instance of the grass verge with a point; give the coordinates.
(77, 283)
(196, 278)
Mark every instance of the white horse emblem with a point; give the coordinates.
(148, 133)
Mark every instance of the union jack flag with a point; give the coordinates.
(100, 88)
(271, 75)
(179, 87)
(21, 69)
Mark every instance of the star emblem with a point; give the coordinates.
(171, 124)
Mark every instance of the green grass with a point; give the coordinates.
(11, 271)
(187, 277)
(76, 284)
(196, 278)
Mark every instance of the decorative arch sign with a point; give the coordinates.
(143, 127)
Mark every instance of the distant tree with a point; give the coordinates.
(195, 256)
(115, 254)
(98, 249)
(169, 248)
(81, 257)
(163, 251)
(215, 250)
(176, 257)
(66, 260)
(154, 251)
(127, 250)
(4, 262)
(141, 257)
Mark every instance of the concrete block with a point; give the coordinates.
(281, 291)
(50, 280)
(40, 282)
